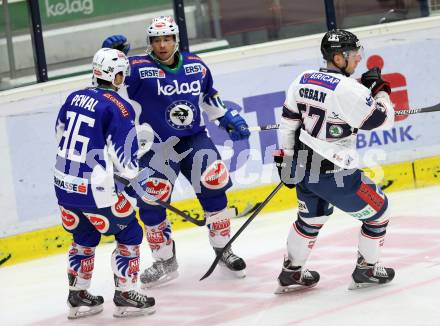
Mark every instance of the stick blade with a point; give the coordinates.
(212, 267)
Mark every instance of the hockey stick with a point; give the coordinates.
(428, 109)
(264, 127)
(433, 108)
(247, 210)
(240, 230)
(140, 192)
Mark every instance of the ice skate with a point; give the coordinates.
(293, 278)
(83, 304)
(366, 275)
(132, 303)
(232, 262)
(160, 272)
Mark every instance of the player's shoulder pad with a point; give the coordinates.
(191, 56)
(121, 105)
(139, 60)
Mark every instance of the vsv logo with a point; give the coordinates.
(192, 88)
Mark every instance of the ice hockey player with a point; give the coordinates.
(96, 137)
(322, 113)
(173, 89)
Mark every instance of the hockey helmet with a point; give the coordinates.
(107, 63)
(338, 41)
(161, 26)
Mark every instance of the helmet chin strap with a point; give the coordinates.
(344, 72)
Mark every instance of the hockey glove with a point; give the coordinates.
(284, 163)
(372, 79)
(118, 42)
(235, 125)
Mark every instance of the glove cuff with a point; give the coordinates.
(384, 86)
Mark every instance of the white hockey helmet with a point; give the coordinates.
(162, 26)
(107, 63)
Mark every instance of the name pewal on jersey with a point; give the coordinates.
(92, 128)
(172, 103)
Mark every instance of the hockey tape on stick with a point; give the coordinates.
(240, 230)
(134, 184)
(265, 127)
(428, 109)
(433, 108)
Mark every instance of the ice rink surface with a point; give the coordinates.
(35, 293)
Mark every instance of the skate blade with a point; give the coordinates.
(291, 288)
(237, 274)
(124, 312)
(355, 286)
(75, 312)
(165, 279)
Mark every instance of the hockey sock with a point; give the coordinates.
(371, 238)
(219, 231)
(159, 239)
(125, 265)
(80, 266)
(302, 237)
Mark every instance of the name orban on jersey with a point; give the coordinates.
(312, 94)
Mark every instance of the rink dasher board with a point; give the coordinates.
(27, 116)
(54, 240)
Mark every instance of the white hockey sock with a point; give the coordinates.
(125, 265)
(371, 239)
(220, 230)
(302, 237)
(80, 266)
(159, 239)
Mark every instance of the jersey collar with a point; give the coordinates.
(333, 71)
(168, 69)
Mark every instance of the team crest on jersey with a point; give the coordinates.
(320, 79)
(100, 222)
(180, 115)
(194, 68)
(157, 187)
(335, 131)
(151, 72)
(216, 175)
(122, 208)
(69, 219)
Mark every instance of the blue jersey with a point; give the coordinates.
(172, 100)
(96, 137)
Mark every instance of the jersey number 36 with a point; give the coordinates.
(74, 146)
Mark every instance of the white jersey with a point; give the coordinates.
(329, 108)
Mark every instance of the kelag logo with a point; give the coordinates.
(67, 7)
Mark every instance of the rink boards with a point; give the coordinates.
(253, 80)
(393, 177)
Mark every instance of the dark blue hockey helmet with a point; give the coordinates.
(338, 41)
